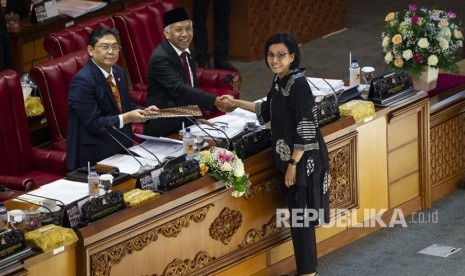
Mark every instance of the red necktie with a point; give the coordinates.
(115, 91)
(185, 64)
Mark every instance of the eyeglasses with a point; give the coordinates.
(279, 55)
(106, 47)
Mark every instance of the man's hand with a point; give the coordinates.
(135, 116)
(225, 103)
(151, 109)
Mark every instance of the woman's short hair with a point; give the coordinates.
(287, 39)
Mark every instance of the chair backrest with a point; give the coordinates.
(74, 38)
(53, 78)
(15, 143)
(141, 30)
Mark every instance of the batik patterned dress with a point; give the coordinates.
(291, 109)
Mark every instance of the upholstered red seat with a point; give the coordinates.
(138, 44)
(53, 78)
(74, 38)
(22, 167)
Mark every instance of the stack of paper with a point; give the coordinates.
(127, 163)
(325, 85)
(230, 124)
(64, 190)
(163, 148)
(75, 8)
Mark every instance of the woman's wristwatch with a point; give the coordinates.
(292, 162)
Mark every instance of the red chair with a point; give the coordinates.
(22, 167)
(53, 78)
(74, 38)
(138, 44)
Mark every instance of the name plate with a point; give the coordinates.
(43, 11)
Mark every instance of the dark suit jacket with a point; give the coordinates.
(92, 110)
(167, 87)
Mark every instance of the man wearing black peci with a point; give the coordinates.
(172, 76)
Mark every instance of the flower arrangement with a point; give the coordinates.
(224, 165)
(420, 37)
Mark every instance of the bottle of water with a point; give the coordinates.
(354, 71)
(25, 81)
(93, 180)
(188, 143)
(3, 217)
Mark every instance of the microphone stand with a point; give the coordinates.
(55, 219)
(142, 168)
(197, 123)
(228, 141)
(132, 140)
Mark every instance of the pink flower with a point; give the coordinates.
(451, 14)
(224, 155)
(415, 19)
(417, 58)
(412, 7)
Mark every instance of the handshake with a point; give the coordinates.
(226, 103)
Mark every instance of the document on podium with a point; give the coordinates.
(64, 190)
(164, 149)
(220, 126)
(127, 163)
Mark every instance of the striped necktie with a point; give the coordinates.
(115, 91)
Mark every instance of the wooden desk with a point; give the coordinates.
(200, 229)
(27, 41)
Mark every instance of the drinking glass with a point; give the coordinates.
(367, 75)
(16, 218)
(250, 122)
(198, 141)
(105, 182)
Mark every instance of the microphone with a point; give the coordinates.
(142, 168)
(53, 218)
(228, 141)
(198, 122)
(233, 81)
(110, 125)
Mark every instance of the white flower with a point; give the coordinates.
(386, 41)
(444, 44)
(423, 43)
(226, 167)
(388, 57)
(407, 54)
(236, 193)
(239, 171)
(432, 60)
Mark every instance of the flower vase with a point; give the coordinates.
(427, 80)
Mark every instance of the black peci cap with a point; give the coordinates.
(175, 15)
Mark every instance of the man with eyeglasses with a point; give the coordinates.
(172, 78)
(98, 100)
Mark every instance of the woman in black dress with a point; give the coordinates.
(299, 150)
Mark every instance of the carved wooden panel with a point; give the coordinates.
(263, 188)
(447, 149)
(305, 19)
(226, 225)
(180, 267)
(343, 172)
(102, 261)
(254, 236)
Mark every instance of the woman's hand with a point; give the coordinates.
(289, 178)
